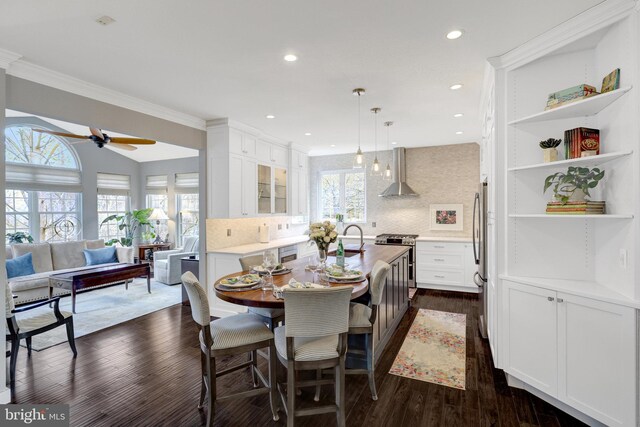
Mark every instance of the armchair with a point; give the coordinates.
(166, 264)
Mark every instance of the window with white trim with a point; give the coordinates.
(160, 201)
(113, 199)
(342, 192)
(188, 204)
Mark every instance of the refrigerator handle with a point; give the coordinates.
(476, 207)
(478, 284)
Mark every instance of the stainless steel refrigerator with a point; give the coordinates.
(480, 253)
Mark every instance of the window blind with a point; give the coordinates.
(113, 184)
(26, 177)
(187, 182)
(157, 184)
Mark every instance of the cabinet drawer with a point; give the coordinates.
(441, 277)
(440, 247)
(439, 259)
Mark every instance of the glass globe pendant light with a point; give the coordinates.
(388, 174)
(376, 168)
(358, 161)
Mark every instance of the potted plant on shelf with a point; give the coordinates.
(130, 222)
(549, 149)
(574, 184)
(19, 237)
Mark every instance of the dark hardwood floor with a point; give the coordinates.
(146, 372)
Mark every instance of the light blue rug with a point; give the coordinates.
(102, 308)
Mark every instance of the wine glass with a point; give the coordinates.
(314, 265)
(270, 262)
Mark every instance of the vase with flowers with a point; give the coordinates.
(323, 234)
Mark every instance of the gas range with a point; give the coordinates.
(396, 239)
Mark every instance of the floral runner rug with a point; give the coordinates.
(434, 350)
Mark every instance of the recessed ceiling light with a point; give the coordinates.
(307, 134)
(105, 20)
(459, 132)
(333, 145)
(455, 86)
(270, 116)
(290, 58)
(393, 143)
(457, 115)
(455, 34)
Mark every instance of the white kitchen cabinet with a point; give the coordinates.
(271, 154)
(578, 350)
(272, 189)
(242, 143)
(242, 187)
(299, 184)
(445, 265)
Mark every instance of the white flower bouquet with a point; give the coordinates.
(323, 234)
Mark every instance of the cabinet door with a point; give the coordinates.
(470, 266)
(235, 142)
(303, 193)
(596, 358)
(249, 145)
(295, 196)
(279, 155)
(249, 187)
(280, 190)
(236, 209)
(531, 335)
(264, 189)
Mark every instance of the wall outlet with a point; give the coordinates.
(228, 232)
(373, 224)
(623, 258)
(279, 226)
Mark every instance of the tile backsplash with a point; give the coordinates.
(245, 230)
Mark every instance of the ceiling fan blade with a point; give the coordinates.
(126, 147)
(66, 135)
(96, 132)
(139, 141)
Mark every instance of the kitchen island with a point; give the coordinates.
(395, 298)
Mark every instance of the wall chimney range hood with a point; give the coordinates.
(399, 186)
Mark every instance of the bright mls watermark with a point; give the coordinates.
(34, 415)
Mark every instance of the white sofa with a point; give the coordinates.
(53, 258)
(167, 267)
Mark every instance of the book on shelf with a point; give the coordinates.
(581, 142)
(611, 81)
(583, 207)
(572, 94)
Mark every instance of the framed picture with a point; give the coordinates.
(446, 217)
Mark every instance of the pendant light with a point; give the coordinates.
(388, 175)
(358, 161)
(376, 169)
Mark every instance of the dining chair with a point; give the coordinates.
(314, 337)
(362, 318)
(229, 336)
(272, 317)
(23, 327)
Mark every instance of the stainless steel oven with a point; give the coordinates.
(402, 240)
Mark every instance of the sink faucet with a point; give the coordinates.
(361, 233)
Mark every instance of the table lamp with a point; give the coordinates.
(158, 214)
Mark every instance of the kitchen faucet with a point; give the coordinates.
(361, 234)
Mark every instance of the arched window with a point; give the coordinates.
(43, 176)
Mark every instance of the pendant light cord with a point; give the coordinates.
(359, 120)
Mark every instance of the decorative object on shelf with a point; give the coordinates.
(323, 234)
(611, 81)
(158, 215)
(549, 149)
(19, 237)
(572, 94)
(574, 185)
(388, 174)
(581, 142)
(584, 207)
(446, 217)
(358, 161)
(130, 222)
(376, 169)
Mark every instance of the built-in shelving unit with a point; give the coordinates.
(570, 217)
(582, 161)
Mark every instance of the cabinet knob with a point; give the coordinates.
(560, 300)
(550, 298)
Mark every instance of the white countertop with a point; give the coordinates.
(444, 239)
(258, 247)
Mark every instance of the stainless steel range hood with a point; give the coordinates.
(399, 187)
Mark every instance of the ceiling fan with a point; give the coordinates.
(101, 139)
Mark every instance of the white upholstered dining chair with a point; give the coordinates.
(272, 317)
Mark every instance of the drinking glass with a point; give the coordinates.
(270, 262)
(314, 265)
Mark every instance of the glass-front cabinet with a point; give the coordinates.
(272, 190)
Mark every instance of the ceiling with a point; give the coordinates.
(144, 153)
(216, 59)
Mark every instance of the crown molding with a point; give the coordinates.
(7, 58)
(227, 122)
(35, 73)
(589, 21)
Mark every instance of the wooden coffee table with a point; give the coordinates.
(90, 278)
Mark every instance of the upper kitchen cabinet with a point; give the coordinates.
(272, 154)
(242, 143)
(299, 184)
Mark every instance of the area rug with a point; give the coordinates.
(434, 350)
(101, 308)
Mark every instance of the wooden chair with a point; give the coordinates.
(21, 327)
(314, 337)
(229, 336)
(362, 318)
(272, 317)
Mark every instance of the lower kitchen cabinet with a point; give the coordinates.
(578, 350)
(445, 265)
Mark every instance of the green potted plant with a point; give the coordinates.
(19, 237)
(549, 149)
(573, 184)
(130, 222)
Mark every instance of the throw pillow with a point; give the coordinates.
(20, 266)
(100, 256)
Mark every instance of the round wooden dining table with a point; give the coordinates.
(266, 299)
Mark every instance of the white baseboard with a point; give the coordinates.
(455, 288)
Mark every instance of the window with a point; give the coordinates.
(189, 215)
(160, 201)
(343, 192)
(111, 204)
(43, 178)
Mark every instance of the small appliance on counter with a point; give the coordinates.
(264, 233)
(402, 240)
